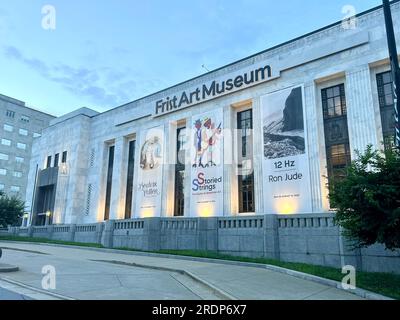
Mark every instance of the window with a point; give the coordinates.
(334, 102)
(36, 135)
(179, 208)
(10, 114)
(386, 104)
(17, 174)
(339, 159)
(129, 181)
(3, 172)
(109, 182)
(2, 186)
(64, 157)
(338, 155)
(21, 146)
(15, 189)
(56, 158)
(8, 128)
(6, 142)
(19, 160)
(25, 119)
(336, 131)
(48, 162)
(4, 156)
(23, 132)
(245, 163)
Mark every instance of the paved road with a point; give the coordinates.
(87, 274)
(10, 295)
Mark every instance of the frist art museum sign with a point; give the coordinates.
(216, 88)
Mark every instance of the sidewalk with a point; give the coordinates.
(90, 274)
(9, 295)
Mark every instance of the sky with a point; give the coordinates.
(105, 53)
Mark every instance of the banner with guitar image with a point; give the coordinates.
(207, 166)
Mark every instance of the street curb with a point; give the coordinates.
(305, 276)
(7, 268)
(35, 293)
(331, 283)
(217, 291)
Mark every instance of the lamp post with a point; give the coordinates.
(394, 62)
(48, 216)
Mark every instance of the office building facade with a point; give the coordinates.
(260, 136)
(19, 127)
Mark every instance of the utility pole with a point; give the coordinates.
(394, 62)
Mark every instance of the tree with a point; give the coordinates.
(367, 199)
(11, 210)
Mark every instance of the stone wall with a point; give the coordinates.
(312, 239)
(3, 232)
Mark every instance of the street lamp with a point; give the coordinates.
(394, 62)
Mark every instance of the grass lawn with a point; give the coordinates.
(383, 283)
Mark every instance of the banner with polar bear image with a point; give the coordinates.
(149, 182)
(286, 173)
(207, 167)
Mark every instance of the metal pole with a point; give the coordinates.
(394, 62)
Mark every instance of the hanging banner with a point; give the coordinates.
(285, 156)
(150, 173)
(207, 169)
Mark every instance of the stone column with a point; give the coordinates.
(107, 235)
(350, 255)
(71, 232)
(258, 155)
(99, 232)
(168, 183)
(12, 231)
(228, 168)
(117, 208)
(188, 167)
(152, 230)
(314, 141)
(30, 231)
(271, 237)
(50, 231)
(100, 187)
(207, 234)
(360, 110)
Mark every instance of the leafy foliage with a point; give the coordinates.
(11, 210)
(367, 199)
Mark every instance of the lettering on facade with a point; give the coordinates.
(212, 90)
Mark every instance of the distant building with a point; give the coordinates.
(19, 126)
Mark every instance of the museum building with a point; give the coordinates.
(262, 135)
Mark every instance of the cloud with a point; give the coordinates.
(35, 64)
(106, 87)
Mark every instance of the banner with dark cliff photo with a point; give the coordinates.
(286, 173)
(150, 173)
(207, 167)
